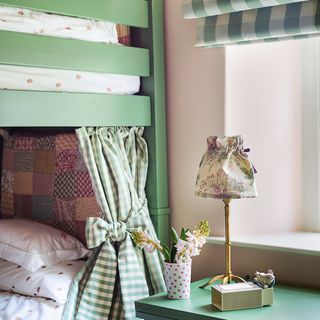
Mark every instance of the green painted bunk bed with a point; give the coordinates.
(145, 58)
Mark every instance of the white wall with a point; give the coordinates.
(263, 103)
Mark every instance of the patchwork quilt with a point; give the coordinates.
(44, 178)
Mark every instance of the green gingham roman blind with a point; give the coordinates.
(225, 22)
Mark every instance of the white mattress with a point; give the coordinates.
(14, 306)
(43, 79)
(41, 23)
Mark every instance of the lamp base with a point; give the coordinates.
(225, 278)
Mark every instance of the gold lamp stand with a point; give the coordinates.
(228, 276)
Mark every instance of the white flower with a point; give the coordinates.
(142, 239)
(190, 236)
(198, 241)
(181, 245)
(201, 241)
(186, 249)
(193, 250)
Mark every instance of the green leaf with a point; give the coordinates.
(183, 235)
(174, 236)
(166, 253)
(173, 253)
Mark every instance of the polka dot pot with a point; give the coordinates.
(178, 277)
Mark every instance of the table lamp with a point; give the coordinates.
(226, 173)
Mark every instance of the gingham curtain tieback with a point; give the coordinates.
(98, 230)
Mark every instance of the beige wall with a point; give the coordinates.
(197, 108)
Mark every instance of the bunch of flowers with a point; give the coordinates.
(182, 247)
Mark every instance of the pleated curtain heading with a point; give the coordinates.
(228, 22)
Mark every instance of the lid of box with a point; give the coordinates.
(232, 287)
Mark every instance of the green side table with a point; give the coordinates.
(289, 304)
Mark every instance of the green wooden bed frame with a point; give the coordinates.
(53, 109)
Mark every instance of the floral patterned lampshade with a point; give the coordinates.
(225, 171)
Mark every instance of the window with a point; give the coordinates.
(272, 98)
(311, 135)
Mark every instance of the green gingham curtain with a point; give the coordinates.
(227, 22)
(117, 273)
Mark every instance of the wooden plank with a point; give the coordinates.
(31, 50)
(132, 12)
(52, 109)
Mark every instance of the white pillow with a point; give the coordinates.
(33, 245)
(53, 282)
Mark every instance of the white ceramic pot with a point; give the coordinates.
(178, 277)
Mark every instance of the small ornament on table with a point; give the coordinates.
(177, 256)
(265, 279)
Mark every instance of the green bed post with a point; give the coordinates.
(154, 86)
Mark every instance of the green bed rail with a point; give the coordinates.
(129, 12)
(49, 52)
(44, 109)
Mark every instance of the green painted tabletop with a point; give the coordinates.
(289, 303)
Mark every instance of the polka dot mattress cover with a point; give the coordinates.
(35, 295)
(18, 307)
(44, 79)
(46, 24)
(49, 282)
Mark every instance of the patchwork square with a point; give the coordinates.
(7, 203)
(7, 159)
(64, 209)
(83, 185)
(24, 143)
(80, 164)
(45, 143)
(23, 161)
(23, 182)
(42, 207)
(66, 141)
(43, 184)
(7, 180)
(45, 178)
(23, 206)
(66, 160)
(64, 186)
(87, 207)
(44, 161)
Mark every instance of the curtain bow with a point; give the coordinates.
(101, 233)
(98, 231)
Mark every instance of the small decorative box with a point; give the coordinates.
(240, 296)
